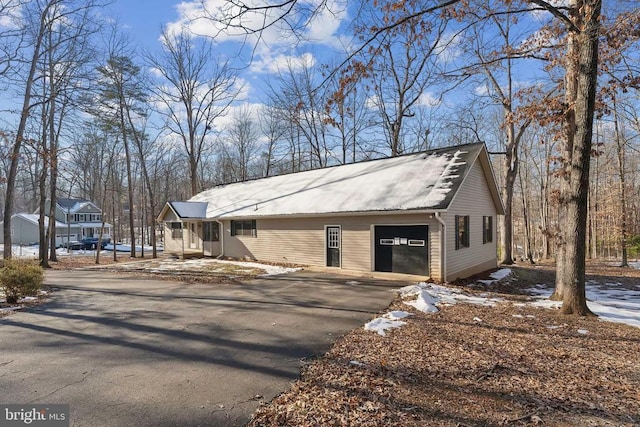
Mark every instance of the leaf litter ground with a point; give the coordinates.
(511, 364)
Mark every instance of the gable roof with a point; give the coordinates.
(183, 210)
(421, 181)
(34, 219)
(74, 205)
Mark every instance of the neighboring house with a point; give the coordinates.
(75, 220)
(431, 214)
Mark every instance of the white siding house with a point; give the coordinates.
(431, 214)
(75, 220)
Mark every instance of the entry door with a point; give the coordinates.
(333, 246)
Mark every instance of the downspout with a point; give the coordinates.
(221, 239)
(443, 247)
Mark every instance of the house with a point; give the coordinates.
(75, 220)
(431, 214)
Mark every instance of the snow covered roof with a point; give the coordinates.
(421, 181)
(74, 205)
(34, 218)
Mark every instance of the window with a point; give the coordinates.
(487, 229)
(462, 231)
(176, 230)
(244, 228)
(211, 231)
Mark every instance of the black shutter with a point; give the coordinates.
(457, 231)
(466, 232)
(233, 228)
(485, 223)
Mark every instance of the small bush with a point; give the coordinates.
(20, 278)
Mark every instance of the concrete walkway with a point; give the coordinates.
(124, 350)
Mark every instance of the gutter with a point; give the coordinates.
(443, 247)
(221, 239)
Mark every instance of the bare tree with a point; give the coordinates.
(194, 89)
(44, 15)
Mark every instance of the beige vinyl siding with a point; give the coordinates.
(302, 240)
(434, 250)
(473, 199)
(171, 245)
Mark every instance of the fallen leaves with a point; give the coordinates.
(450, 369)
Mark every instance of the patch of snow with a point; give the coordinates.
(387, 321)
(208, 264)
(356, 363)
(503, 273)
(583, 331)
(380, 325)
(397, 315)
(28, 299)
(352, 283)
(269, 270)
(477, 319)
(635, 264)
(610, 303)
(429, 294)
(425, 302)
(519, 316)
(496, 276)
(11, 308)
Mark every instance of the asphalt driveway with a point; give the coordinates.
(124, 350)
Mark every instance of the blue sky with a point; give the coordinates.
(142, 21)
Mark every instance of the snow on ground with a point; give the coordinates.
(430, 294)
(269, 270)
(127, 248)
(635, 264)
(208, 264)
(387, 321)
(496, 276)
(612, 302)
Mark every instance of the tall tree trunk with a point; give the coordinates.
(511, 168)
(581, 78)
(622, 186)
(17, 145)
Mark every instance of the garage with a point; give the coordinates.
(402, 249)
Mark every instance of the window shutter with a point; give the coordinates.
(490, 231)
(457, 231)
(233, 228)
(254, 229)
(485, 223)
(466, 231)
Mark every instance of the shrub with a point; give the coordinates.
(20, 278)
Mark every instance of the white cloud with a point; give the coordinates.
(482, 90)
(543, 15)
(271, 46)
(281, 63)
(427, 99)
(11, 14)
(449, 47)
